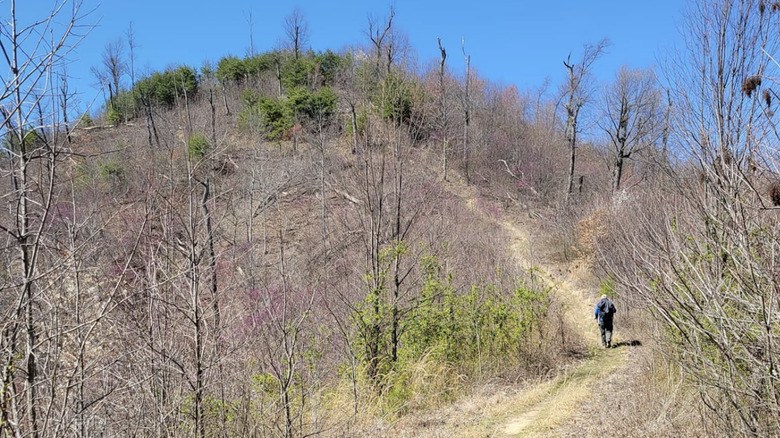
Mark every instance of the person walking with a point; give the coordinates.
(605, 312)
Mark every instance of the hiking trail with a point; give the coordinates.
(550, 406)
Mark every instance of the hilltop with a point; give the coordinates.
(349, 243)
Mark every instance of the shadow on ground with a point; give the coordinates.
(634, 343)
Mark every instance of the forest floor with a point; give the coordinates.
(582, 398)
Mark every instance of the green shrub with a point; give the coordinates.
(86, 119)
(297, 72)
(110, 171)
(236, 70)
(330, 64)
(250, 98)
(164, 88)
(126, 104)
(231, 69)
(275, 116)
(394, 100)
(306, 104)
(488, 326)
(113, 117)
(207, 73)
(278, 118)
(197, 145)
(258, 64)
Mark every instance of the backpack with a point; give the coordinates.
(605, 308)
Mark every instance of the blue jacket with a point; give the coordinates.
(607, 304)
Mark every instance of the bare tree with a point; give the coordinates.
(379, 34)
(631, 116)
(250, 24)
(466, 112)
(131, 45)
(444, 126)
(576, 94)
(31, 52)
(65, 97)
(296, 29)
(700, 250)
(112, 67)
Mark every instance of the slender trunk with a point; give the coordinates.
(213, 119)
(64, 106)
(251, 232)
(215, 307)
(396, 310)
(322, 190)
(186, 106)
(667, 123)
(150, 127)
(354, 128)
(279, 74)
(397, 241)
(212, 258)
(443, 110)
(82, 424)
(199, 431)
(296, 49)
(24, 238)
(111, 99)
(200, 428)
(287, 378)
(466, 120)
(572, 111)
(224, 100)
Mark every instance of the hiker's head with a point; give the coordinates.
(604, 297)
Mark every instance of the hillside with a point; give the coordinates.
(302, 243)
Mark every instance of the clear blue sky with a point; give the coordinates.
(513, 42)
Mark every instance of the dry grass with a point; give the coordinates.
(627, 390)
(644, 399)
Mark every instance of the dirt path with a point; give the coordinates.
(543, 409)
(553, 407)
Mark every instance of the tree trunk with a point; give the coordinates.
(617, 173)
(354, 128)
(322, 190)
(572, 140)
(466, 119)
(279, 74)
(443, 110)
(22, 186)
(224, 100)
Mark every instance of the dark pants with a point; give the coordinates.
(606, 333)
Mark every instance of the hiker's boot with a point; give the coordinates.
(609, 344)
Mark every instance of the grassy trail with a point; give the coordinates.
(544, 408)
(541, 409)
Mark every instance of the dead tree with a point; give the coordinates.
(379, 34)
(31, 52)
(576, 94)
(111, 69)
(631, 117)
(131, 45)
(443, 110)
(297, 31)
(466, 113)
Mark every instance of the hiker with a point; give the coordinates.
(605, 311)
